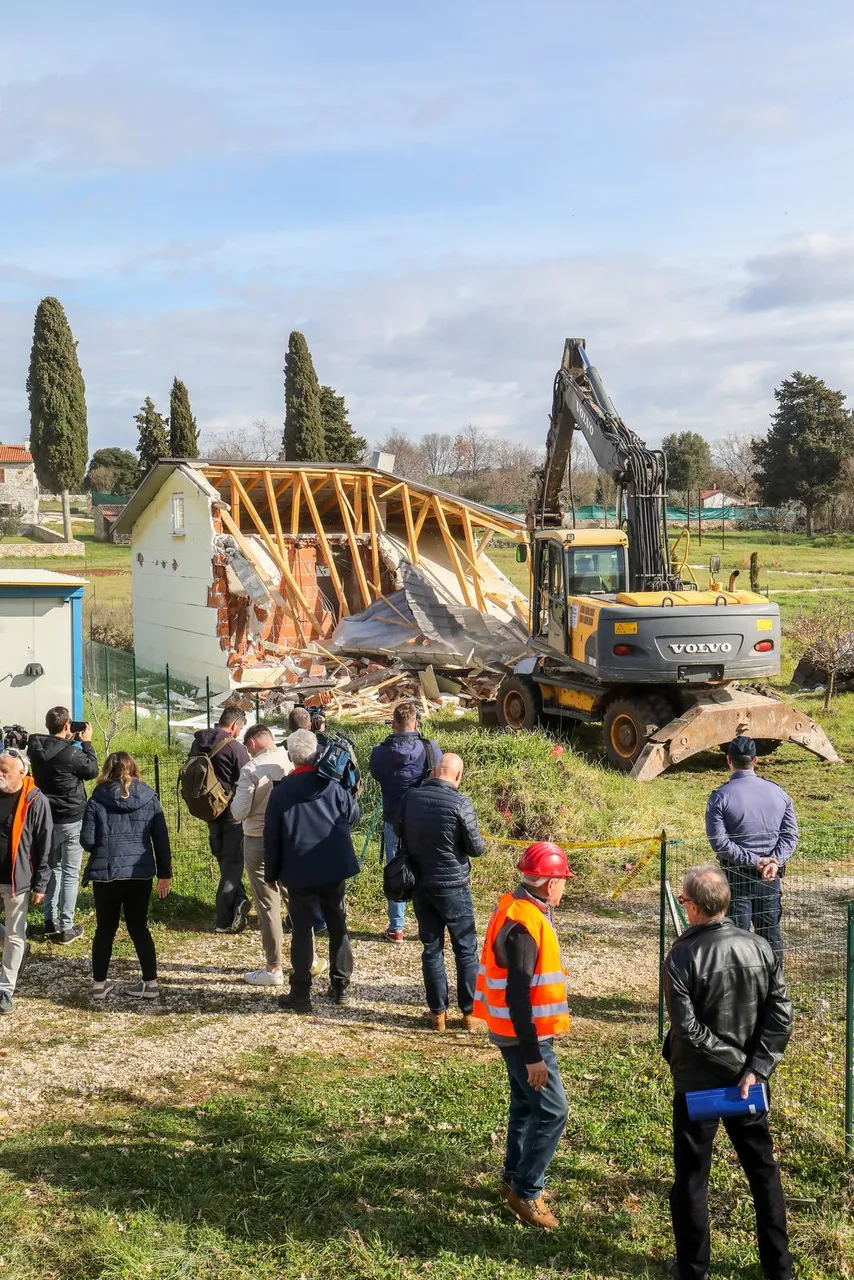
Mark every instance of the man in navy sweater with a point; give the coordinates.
(309, 850)
(403, 760)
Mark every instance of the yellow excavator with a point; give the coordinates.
(617, 634)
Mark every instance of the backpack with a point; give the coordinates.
(399, 878)
(201, 790)
(337, 761)
(430, 760)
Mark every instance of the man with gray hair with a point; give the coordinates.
(308, 848)
(730, 1021)
(26, 829)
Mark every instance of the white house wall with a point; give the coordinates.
(171, 575)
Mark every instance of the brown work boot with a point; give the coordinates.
(535, 1212)
(505, 1190)
(468, 1022)
(438, 1021)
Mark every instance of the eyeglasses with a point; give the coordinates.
(683, 901)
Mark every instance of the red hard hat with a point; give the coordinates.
(545, 859)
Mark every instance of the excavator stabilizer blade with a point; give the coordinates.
(722, 716)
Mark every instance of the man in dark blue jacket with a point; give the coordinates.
(439, 828)
(309, 850)
(403, 760)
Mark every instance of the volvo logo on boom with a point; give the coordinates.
(703, 646)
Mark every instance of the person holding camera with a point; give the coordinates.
(61, 761)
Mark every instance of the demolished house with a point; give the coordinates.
(320, 579)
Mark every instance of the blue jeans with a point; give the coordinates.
(535, 1124)
(396, 910)
(66, 857)
(756, 901)
(437, 910)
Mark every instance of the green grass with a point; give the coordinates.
(383, 1169)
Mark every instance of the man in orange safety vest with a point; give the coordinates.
(521, 996)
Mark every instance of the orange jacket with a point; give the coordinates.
(548, 985)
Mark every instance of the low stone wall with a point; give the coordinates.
(43, 533)
(40, 550)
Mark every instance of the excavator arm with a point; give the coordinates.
(581, 403)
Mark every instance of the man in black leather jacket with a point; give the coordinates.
(730, 1021)
(438, 827)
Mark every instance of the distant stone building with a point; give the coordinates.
(19, 487)
(105, 516)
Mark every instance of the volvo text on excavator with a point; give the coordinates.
(620, 631)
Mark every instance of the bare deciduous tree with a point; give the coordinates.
(439, 453)
(734, 458)
(258, 442)
(409, 459)
(824, 636)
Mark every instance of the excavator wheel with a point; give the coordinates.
(627, 725)
(518, 703)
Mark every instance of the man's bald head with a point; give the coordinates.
(449, 769)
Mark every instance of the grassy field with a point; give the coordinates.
(106, 566)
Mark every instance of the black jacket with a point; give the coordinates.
(60, 768)
(307, 840)
(125, 836)
(31, 856)
(440, 831)
(728, 1005)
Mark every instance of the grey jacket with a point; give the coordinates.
(31, 852)
(255, 786)
(749, 818)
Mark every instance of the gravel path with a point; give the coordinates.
(60, 1053)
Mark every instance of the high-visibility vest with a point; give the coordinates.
(548, 984)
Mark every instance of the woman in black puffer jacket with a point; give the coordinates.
(125, 834)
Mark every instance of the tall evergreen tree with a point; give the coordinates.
(801, 458)
(340, 440)
(59, 437)
(153, 435)
(303, 437)
(119, 465)
(183, 432)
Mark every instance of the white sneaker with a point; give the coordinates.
(265, 978)
(321, 964)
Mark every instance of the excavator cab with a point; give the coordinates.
(567, 564)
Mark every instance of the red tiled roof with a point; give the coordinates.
(111, 510)
(15, 453)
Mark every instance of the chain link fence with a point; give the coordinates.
(809, 921)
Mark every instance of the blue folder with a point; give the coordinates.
(719, 1104)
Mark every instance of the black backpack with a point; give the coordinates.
(399, 878)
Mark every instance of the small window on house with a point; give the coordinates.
(177, 513)
(2, 475)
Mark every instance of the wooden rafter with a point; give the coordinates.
(357, 504)
(484, 543)
(451, 546)
(274, 514)
(422, 516)
(295, 501)
(280, 559)
(472, 559)
(358, 567)
(324, 542)
(410, 525)
(373, 515)
(291, 585)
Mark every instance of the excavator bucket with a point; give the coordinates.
(722, 715)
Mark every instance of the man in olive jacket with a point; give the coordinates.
(730, 1022)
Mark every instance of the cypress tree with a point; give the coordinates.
(303, 437)
(342, 443)
(153, 435)
(59, 437)
(183, 432)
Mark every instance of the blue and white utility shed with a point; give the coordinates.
(41, 645)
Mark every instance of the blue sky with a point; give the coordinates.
(437, 196)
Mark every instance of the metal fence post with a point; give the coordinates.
(106, 671)
(257, 707)
(208, 698)
(849, 1037)
(662, 932)
(135, 704)
(168, 710)
(157, 776)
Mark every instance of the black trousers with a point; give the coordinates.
(689, 1197)
(303, 904)
(226, 840)
(111, 897)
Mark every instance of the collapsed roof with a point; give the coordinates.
(349, 559)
